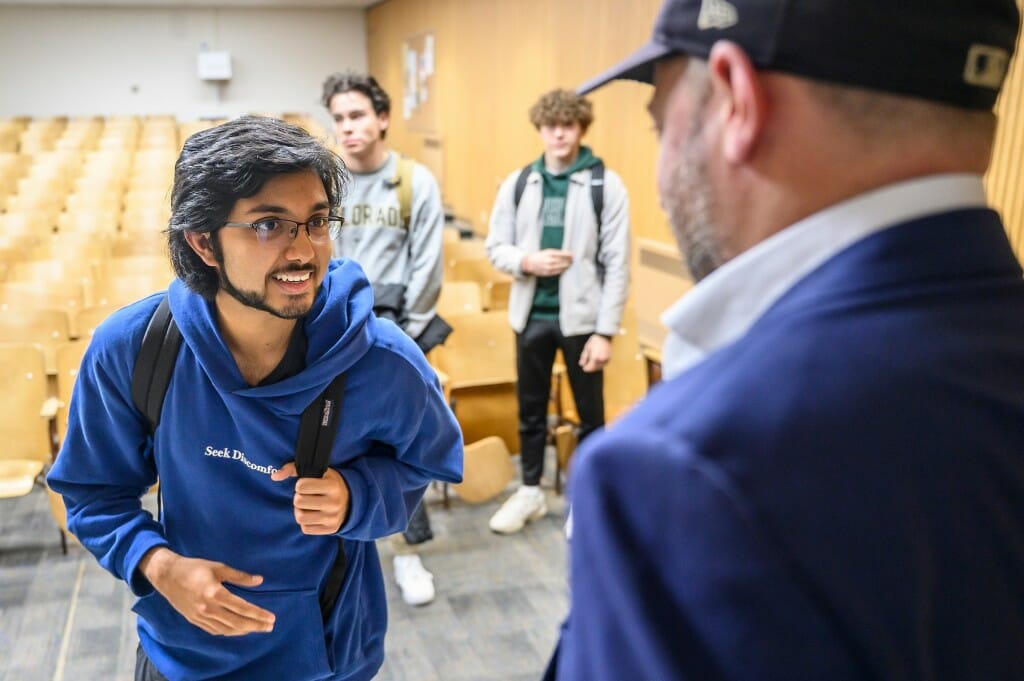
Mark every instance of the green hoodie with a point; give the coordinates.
(552, 215)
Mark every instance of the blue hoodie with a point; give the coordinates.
(219, 441)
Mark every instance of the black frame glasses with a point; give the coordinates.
(320, 229)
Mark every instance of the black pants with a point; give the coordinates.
(419, 526)
(535, 357)
(144, 669)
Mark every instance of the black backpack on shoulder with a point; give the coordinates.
(596, 189)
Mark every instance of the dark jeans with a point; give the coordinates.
(144, 669)
(535, 357)
(419, 526)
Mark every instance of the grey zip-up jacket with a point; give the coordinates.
(593, 291)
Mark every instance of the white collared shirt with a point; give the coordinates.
(726, 303)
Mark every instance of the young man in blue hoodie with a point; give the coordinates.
(231, 577)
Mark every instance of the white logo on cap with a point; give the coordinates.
(986, 66)
(717, 14)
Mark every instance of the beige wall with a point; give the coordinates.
(494, 57)
(114, 60)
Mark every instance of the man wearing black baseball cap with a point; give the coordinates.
(829, 484)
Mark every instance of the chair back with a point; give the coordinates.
(459, 297)
(26, 431)
(487, 470)
(47, 328)
(69, 359)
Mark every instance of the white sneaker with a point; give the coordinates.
(414, 581)
(526, 504)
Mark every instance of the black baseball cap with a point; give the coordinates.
(952, 51)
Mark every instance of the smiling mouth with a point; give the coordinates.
(293, 277)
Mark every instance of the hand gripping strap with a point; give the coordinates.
(312, 455)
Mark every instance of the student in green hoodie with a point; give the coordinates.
(560, 227)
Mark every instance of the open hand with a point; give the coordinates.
(195, 588)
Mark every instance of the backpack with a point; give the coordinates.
(596, 190)
(388, 300)
(319, 423)
(402, 181)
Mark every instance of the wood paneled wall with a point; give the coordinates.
(1005, 179)
(495, 57)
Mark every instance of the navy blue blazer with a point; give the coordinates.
(838, 494)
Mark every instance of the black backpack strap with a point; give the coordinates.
(524, 175)
(155, 363)
(597, 192)
(317, 429)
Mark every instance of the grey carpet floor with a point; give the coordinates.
(499, 601)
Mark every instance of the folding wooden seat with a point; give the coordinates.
(479, 361)
(459, 297)
(97, 221)
(85, 320)
(61, 271)
(25, 418)
(46, 327)
(14, 166)
(32, 225)
(68, 358)
(120, 290)
(10, 132)
(487, 469)
(150, 219)
(121, 141)
(48, 206)
(494, 285)
(141, 199)
(147, 266)
(139, 243)
(74, 247)
(462, 249)
(449, 234)
(189, 128)
(18, 295)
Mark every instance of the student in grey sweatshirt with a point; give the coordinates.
(401, 254)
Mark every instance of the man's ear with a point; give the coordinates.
(385, 120)
(200, 243)
(737, 81)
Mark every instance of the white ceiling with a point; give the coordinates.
(353, 4)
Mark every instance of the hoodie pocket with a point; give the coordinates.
(294, 650)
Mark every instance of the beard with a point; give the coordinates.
(690, 203)
(689, 199)
(255, 299)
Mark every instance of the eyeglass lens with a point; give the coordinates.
(320, 229)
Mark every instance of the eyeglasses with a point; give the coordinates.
(321, 229)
